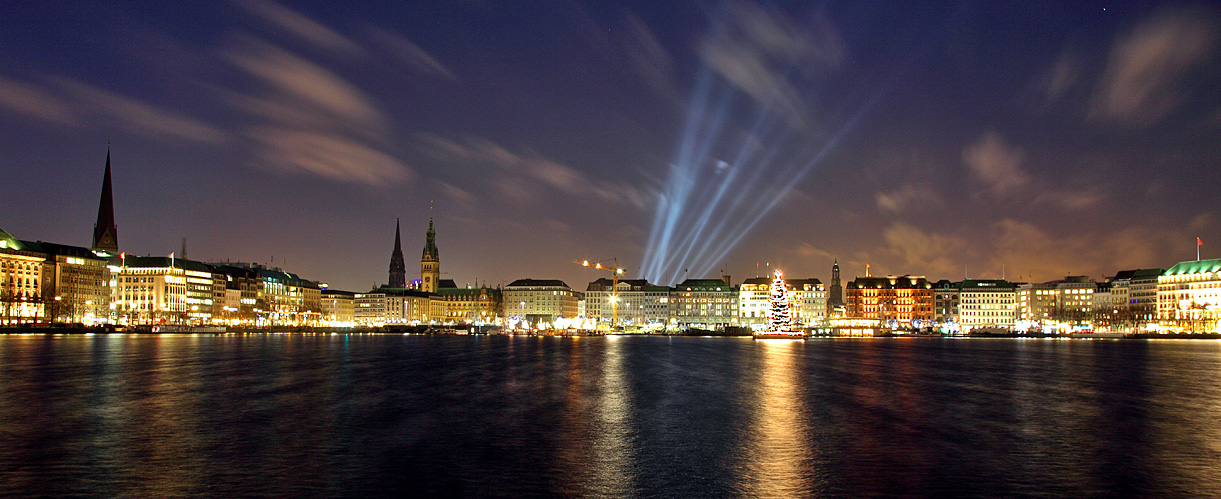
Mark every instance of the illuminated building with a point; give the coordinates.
(807, 299)
(469, 305)
(1065, 301)
(535, 300)
(704, 304)
(1189, 296)
(398, 269)
(835, 295)
(279, 298)
(162, 290)
(986, 303)
(903, 299)
(105, 233)
(338, 307)
(77, 287)
(370, 309)
(430, 262)
(945, 301)
(21, 282)
(640, 303)
(1134, 295)
(240, 294)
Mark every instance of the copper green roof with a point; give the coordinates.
(1195, 267)
(10, 242)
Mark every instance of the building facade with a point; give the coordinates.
(539, 300)
(1189, 297)
(639, 303)
(906, 300)
(986, 303)
(704, 304)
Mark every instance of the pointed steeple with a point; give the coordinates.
(430, 244)
(430, 261)
(398, 268)
(105, 234)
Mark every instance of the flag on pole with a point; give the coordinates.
(1199, 242)
(171, 259)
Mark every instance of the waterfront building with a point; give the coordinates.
(640, 303)
(338, 308)
(241, 294)
(21, 282)
(986, 303)
(1065, 302)
(430, 262)
(76, 283)
(945, 301)
(907, 300)
(704, 304)
(1137, 291)
(1189, 297)
(398, 269)
(105, 232)
(370, 308)
(469, 305)
(162, 290)
(807, 301)
(535, 300)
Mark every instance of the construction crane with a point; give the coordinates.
(615, 272)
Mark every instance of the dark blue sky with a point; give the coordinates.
(1037, 139)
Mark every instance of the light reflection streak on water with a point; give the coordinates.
(779, 450)
(613, 457)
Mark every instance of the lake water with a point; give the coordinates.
(337, 415)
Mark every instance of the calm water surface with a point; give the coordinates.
(293, 416)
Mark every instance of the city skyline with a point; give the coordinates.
(920, 143)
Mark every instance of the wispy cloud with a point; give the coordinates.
(301, 26)
(407, 52)
(996, 163)
(1141, 85)
(327, 155)
(1056, 82)
(648, 58)
(300, 86)
(908, 197)
(138, 116)
(31, 100)
(757, 48)
(308, 119)
(519, 174)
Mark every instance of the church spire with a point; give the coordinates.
(398, 269)
(105, 234)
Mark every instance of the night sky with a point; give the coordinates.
(1037, 139)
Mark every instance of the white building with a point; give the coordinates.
(540, 300)
(1189, 297)
(639, 303)
(986, 303)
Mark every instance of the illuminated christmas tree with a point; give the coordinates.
(780, 318)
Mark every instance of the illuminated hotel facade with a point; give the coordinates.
(986, 303)
(907, 300)
(1189, 297)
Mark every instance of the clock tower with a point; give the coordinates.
(430, 263)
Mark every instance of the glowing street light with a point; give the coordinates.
(615, 273)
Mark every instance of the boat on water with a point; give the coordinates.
(780, 335)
